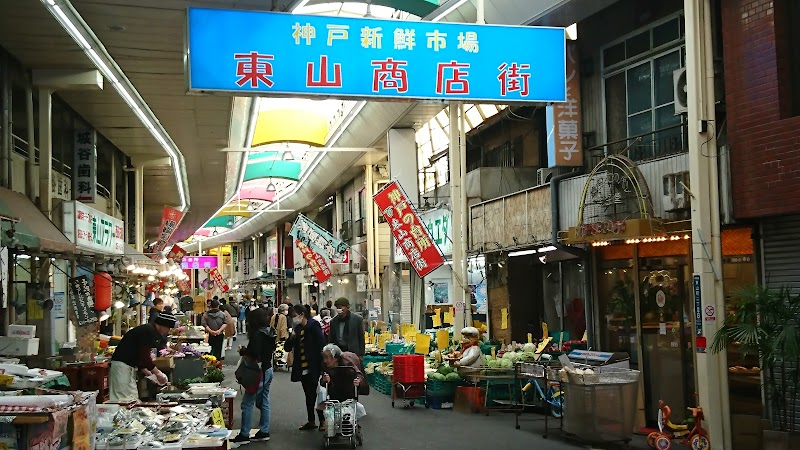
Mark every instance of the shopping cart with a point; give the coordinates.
(341, 416)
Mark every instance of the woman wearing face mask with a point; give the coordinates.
(307, 342)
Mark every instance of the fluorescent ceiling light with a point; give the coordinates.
(523, 252)
(549, 248)
(452, 8)
(82, 34)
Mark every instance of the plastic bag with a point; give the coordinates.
(360, 411)
(322, 395)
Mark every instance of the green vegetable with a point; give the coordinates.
(437, 376)
(529, 347)
(452, 377)
(445, 369)
(214, 375)
(506, 363)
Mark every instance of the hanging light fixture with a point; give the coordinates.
(288, 155)
(215, 232)
(230, 222)
(271, 186)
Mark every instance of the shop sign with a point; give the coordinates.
(315, 261)
(316, 237)
(218, 280)
(408, 230)
(438, 222)
(235, 257)
(170, 218)
(564, 119)
(481, 299)
(82, 301)
(199, 262)
(93, 230)
(183, 286)
(341, 57)
(698, 306)
(60, 186)
(59, 305)
(85, 174)
(605, 227)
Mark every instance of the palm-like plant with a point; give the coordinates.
(766, 322)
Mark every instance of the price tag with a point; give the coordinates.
(216, 417)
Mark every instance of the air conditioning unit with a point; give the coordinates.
(544, 175)
(675, 196)
(679, 90)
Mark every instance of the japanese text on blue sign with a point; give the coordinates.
(322, 242)
(260, 52)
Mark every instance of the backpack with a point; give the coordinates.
(248, 374)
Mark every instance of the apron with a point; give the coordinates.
(122, 382)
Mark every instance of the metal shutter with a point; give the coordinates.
(781, 247)
(781, 241)
(405, 299)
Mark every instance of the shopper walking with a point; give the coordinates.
(347, 329)
(307, 341)
(155, 310)
(214, 322)
(233, 311)
(242, 317)
(261, 347)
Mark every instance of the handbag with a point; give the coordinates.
(248, 374)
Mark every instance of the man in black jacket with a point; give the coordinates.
(347, 329)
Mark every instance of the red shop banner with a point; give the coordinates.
(176, 254)
(408, 230)
(218, 280)
(315, 261)
(183, 286)
(170, 218)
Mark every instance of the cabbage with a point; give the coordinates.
(493, 363)
(445, 369)
(511, 356)
(452, 377)
(529, 347)
(506, 363)
(437, 376)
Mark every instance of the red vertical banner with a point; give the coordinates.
(408, 230)
(315, 261)
(218, 280)
(170, 218)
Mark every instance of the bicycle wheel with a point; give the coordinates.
(556, 401)
(699, 442)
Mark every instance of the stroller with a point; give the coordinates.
(341, 415)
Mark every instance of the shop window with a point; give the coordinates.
(638, 90)
(790, 21)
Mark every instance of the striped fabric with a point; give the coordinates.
(303, 361)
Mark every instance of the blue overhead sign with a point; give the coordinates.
(276, 53)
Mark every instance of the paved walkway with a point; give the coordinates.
(386, 428)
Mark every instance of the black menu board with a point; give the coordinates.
(82, 300)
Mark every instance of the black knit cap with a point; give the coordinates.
(165, 319)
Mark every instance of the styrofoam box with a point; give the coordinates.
(23, 331)
(17, 346)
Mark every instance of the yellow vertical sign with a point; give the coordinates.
(504, 319)
(217, 418)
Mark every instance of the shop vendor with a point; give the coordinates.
(133, 354)
(470, 359)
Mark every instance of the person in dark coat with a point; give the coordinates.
(307, 342)
(347, 329)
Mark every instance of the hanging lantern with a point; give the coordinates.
(102, 291)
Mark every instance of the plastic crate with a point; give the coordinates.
(375, 359)
(381, 383)
(486, 349)
(440, 388)
(398, 348)
(409, 368)
(440, 402)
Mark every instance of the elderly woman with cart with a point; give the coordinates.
(342, 382)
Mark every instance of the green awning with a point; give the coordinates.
(32, 229)
(274, 168)
(220, 222)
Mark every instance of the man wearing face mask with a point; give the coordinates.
(133, 353)
(307, 342)
(347, 329)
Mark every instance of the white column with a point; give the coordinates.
(46, 151)
(712, 379)
(138, 186)
(369, 222)
(30, 184)
(456, 202)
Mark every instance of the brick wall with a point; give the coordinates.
(765, 140)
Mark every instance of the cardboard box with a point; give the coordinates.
(164, 363)
(23, 331)
(16, 346)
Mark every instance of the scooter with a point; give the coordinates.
(695, 438)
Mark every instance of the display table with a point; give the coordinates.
(48, 420)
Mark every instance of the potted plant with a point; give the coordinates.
(766, 322)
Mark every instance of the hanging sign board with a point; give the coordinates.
(93, 230)
(218, 280)
(170, 218)
(85, 177)
(438, 222)
(316, 237)
(82, 301)
(176, 254)
(199, 262)
(564, 139)
(408, 229)
(293, 54)
(315, 261)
